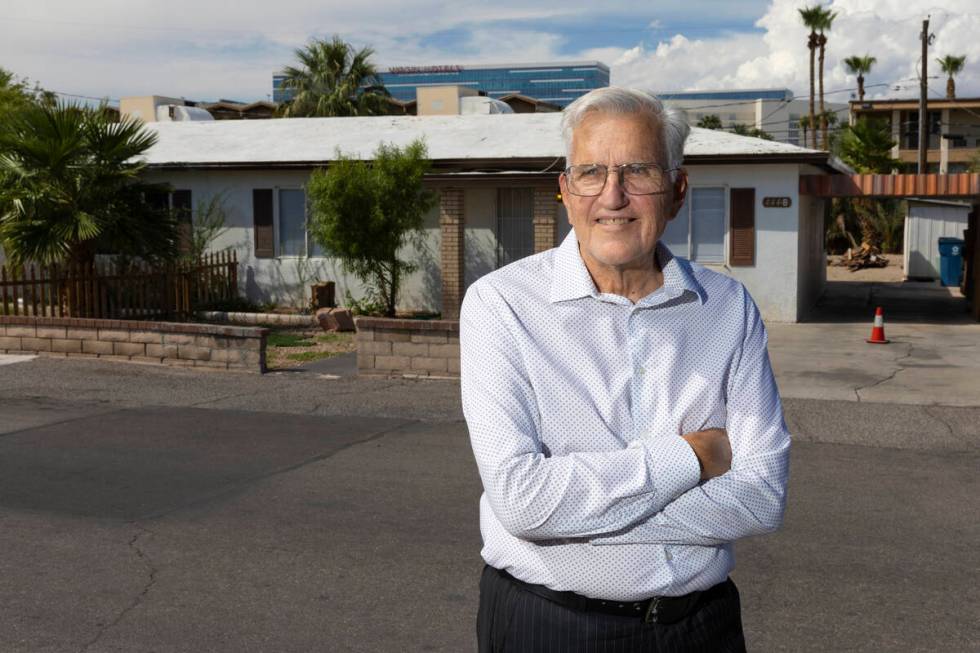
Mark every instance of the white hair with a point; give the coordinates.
(672, 123)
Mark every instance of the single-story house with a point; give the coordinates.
(497, 178)
(928, 221)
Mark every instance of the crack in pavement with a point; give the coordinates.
(900, 368)
(943, 421)
(151, 580)
(246, 482)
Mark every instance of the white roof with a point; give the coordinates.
(304, 140)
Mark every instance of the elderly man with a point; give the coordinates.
(622, 412)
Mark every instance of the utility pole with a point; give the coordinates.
(923, 95)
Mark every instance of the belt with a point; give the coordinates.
(657, 609)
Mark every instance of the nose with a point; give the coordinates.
(613, 195)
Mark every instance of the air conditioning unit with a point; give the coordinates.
(180, 113)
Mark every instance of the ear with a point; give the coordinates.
(678, 192)
(563, 185)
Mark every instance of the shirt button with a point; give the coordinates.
(639, 370)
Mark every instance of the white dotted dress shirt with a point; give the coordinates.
(575, 401)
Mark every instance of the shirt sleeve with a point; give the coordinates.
(750, 498)
(536, 496)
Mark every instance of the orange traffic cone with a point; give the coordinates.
(878, 330)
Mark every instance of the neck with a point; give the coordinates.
(634, 280)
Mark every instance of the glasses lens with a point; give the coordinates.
(587, 179)
(643, 179)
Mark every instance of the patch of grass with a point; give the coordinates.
(334, 337)
(307, 356)
(286, 339)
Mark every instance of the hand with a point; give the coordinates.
(713, 450)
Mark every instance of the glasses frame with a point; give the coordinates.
(619, 173)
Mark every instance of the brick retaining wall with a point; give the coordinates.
(412, 348)
(167, 343)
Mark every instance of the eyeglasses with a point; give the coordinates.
(588, 179)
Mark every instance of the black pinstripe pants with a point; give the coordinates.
(513, 620)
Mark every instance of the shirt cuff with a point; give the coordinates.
(673, 466)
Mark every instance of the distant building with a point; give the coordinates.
(773, 110)
(453, 100)
(954, 130)
(159, 108)
(557, 83)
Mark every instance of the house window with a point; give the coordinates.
(291, 219)
(292, 222)
(515, 224)
(793, 133)
(698, 230)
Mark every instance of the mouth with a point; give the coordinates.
(615, 221)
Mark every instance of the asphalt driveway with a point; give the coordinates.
(171, 528)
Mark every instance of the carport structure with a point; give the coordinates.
(962, 186)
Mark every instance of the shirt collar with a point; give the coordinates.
(572, 280)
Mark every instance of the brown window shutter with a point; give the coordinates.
(265, 243)
(742, 237)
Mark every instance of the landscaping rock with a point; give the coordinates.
(335, 319)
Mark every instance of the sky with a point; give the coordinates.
(206, 50)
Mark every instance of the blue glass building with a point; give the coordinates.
(558, 83)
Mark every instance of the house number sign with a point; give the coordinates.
(777, 202)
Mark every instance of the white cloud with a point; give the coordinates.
(778, 57)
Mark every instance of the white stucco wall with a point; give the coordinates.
(286, 280)
(773, 280)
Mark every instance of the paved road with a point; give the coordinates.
(146, 509)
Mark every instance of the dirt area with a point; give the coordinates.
(892, 272)
(293, 347)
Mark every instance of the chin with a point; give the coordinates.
(618, 253)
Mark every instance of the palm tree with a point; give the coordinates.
(333, 80)
(860, 66)
(70, 188)
(951, 65)
(805, 126)
(825, 21)
(811, 18)
(711, 121)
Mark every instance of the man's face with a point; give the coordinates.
(604, 238)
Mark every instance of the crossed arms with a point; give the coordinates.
(649, 492)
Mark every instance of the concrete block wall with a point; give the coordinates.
(162, 343)
(407, 348)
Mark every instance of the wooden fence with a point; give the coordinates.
(112, 290)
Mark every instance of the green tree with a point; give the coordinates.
(951, 66)
(17, 94)
(744, 130)
(860, 66)
(824, 23)
(333, 79)
(710, 121)
(364, 212)
(70, 188)
(866, 146)
(805, 126)
(811, 17)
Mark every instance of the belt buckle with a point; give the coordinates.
(651, 615)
